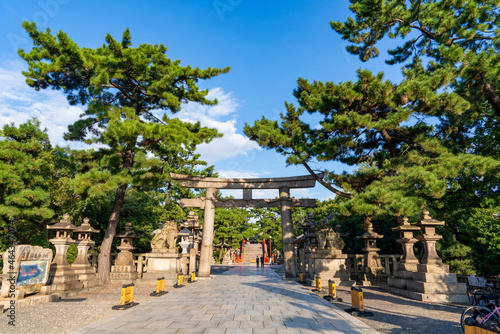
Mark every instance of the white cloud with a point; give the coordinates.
(19, 102)
(232, 143)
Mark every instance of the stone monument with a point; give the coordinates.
(26, 272)
(124, 270)
(86, 273)
(163, 261)
(328, 260)
(61, 276)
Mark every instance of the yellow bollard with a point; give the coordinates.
(301, 277)
(160, 287)
(160, 284)
(358, 303)
(193, 277)
(357, 299)
(332, 292)
(126, 298)
(318, 284)
(180, 280)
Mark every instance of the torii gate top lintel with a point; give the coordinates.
(187, 181)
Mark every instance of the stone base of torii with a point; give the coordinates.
(210, 202)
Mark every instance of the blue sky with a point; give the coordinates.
(268, 46)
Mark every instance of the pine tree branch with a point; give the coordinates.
(324, 184)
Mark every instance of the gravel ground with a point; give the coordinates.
(395, 314)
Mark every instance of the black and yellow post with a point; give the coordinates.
(358, 304)
(470, 326)
(332, 292)
(126, 298)
(160, 287)
(180, 280)
(301, 277)
(318, 284)
(192, 277)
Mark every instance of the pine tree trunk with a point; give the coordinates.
(104, 264)
(491, 96)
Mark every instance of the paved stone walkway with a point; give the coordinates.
(243, 299)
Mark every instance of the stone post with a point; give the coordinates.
(61, 276)
(192, 260)
(287, 232)
(86, 273)
(206, 254)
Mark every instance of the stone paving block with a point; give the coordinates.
(274, 324)
(190, 331)
(239, 331)
(263, 331)
(252, 324)
(260, 318)
(159, 324)
(242, 317)
(254, 312)
(215, 331)
(288, 331)
(165, 330)
(229, 324)
(183, 324)
(202, 317)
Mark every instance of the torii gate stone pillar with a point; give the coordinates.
(209, 203)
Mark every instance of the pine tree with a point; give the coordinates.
(24, 196)
(126, 92)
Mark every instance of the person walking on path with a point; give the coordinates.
(262, 261)
(257, 260)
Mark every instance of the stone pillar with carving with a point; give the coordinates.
(433, 282)
(86, 273)
(124, 271)
(328, 260)
(61, 276)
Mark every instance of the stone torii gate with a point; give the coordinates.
(210, 202)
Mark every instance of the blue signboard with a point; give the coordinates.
(32, 272)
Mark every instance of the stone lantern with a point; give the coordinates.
(433, 282)
(193, 225)
(372, 263)
(62, 277)
(408, 261)
(124, 270)
(185, 234)
(82, 267)
(430, 262)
